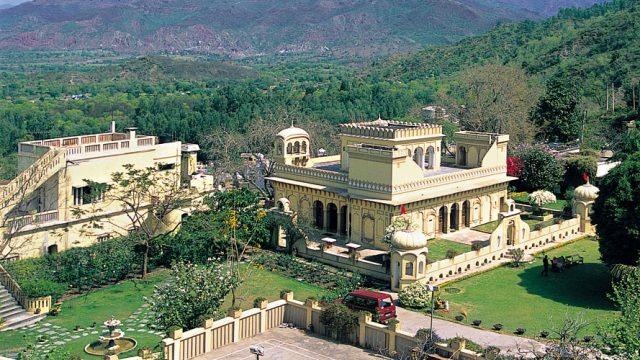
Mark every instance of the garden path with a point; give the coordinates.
(411, 322)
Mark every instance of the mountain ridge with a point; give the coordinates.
(256, 27)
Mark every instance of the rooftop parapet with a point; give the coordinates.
(390, 129)
(482, 137)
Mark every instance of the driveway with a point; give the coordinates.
(411, 322)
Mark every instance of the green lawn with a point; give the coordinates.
(523, 298)
(125, 301)
(438, 249)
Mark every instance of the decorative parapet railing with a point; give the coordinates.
(31, 177)
(312, 173)
(31, 305)
(79, 147)
(377, 151)
(184, 345)
(450, 178)
(20, 222)
(389, 129)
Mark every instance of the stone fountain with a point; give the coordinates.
(111, 343)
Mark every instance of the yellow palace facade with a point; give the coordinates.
(387, 169)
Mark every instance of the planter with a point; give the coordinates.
(286, 295)
(477, 322)
(263, 304)
(311, 303)
(459, 317)
(497, 327)
(175, 334)
(520, 331)
(587, 339)
(544, 334)
(394, 325)
(235, 313)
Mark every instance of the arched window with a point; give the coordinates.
(296, 148)
(304, 147)
(408, 270)
(289, 148)
(421, 267)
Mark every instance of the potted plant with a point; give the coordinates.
(393, 324)
(311, 302)
(587, 339)
(235, 312)
(497, 327)
(260, 303)
(544, 334)
(174, 332)
(286, 294)
(477, 322)
(520, 331)
(459, 317)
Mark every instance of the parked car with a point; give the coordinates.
(379, 304)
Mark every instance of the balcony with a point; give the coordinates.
(20, 223)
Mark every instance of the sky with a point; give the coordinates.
(11, 2)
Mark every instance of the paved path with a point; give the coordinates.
(411, 322)
(287, 344)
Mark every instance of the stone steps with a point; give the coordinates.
(13, 314)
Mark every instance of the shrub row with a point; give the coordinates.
(78, 268)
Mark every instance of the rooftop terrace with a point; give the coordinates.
(390, 129)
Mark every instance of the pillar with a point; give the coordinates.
(325, 218)
(393, 328)
(208, 335)
(363, 318)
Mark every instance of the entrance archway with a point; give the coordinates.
(318, 214)
(52, 249)
(418, 157)
(332, 225)
(453, 217)
(462, 156)
(442, 220)
(466, 214)
(343, 220)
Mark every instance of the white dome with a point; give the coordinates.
(586, 192)
(409, 240)
(292, 132)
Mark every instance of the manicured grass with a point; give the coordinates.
(123, 299)
(521, 297)
(119, 301)
(438, 249)
(267, 284)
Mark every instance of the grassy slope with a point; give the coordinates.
(523, 298)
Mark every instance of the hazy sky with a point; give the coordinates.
(11, 2)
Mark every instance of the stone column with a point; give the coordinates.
(208, 335)
(176, 335)
(363, 318)
(393, 328)
(447, 218)
(325, 219)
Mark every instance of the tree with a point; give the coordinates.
(557, 112)
(498, 99)
(148, 198)
(615, 213)
(577, 166)
(630, 144)
(540, 169)
(193, 294)
(620, 336)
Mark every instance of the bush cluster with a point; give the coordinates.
(415, 296)
(77, 268)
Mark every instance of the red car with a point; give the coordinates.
(373, 301)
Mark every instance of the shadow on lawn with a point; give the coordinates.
(583, 285)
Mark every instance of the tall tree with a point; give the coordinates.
(616, 213)
(498, 99)
(538, 169)
(557, 113)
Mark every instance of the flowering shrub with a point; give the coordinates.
(415, 295)
(541, 197)
(194, 292)
(514, 166)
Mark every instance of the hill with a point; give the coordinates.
(255, 27)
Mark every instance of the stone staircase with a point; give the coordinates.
(13, 314)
